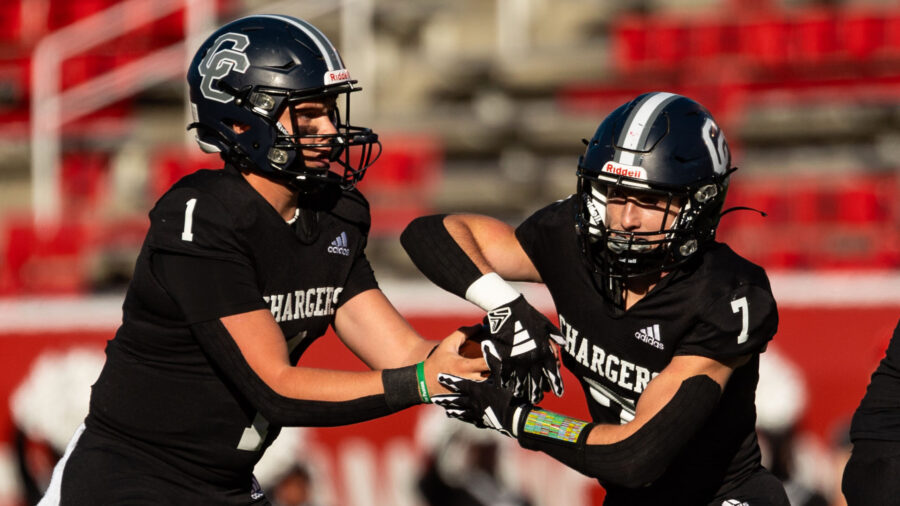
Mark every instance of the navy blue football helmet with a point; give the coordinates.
(658, 143)
(247, 73)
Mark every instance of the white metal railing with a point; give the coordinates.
(52, 107)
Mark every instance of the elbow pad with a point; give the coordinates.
(279, 410)
(644, 456)
(437, 255)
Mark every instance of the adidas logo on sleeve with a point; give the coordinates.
(340, 245)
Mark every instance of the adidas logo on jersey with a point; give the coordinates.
(650, 335)
(339, 246)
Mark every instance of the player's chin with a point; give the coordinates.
(317, 162)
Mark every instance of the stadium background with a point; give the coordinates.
(481, 106)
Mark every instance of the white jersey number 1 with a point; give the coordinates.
(186, 234)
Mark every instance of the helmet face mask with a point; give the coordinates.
(665, 147)
(252, 71)
(349, 149)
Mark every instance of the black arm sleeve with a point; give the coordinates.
(434, 252)
(642, 457)
(285, 411)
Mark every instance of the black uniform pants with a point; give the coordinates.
(100, 470)
(761, 489)
(872, 475)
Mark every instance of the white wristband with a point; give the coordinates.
(490, 292)
(517, 415)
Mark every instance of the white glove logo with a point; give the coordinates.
(490, 420)
(522, 341)
(498, 317)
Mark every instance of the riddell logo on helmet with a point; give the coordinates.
(337, 76)
(624, 170)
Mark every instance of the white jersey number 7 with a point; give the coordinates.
(741, 306)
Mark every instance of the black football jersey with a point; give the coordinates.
(721, 307)
(159, 390)
(878, 415)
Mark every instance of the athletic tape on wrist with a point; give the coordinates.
(490, 291)
(401, 387)
(420, 381)
(552, 425)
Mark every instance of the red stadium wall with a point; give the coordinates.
(835, 347)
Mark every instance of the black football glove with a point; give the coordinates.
(518, 351)
(482, 404)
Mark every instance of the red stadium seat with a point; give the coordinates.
(862, 204)
(892, 33)
(764, 41)
(816, 36)
(83, 182)
(667, 42)
(629, 42)
(11, 21)
(863, 34)
(810, 205)
(709, 38)
(15, 73)
(171, 164)
(43, 261)
(400, 185)
(851, 223)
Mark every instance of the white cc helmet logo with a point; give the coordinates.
(219, 62)
(715, 143)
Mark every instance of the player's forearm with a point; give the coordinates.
(324, 384)
(638, 459)
(315, 397)
(451, 252)
(420, 351)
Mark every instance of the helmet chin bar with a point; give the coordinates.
(626, 255)
(353, 150)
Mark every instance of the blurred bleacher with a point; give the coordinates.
(482, 106)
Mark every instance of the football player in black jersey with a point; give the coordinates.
(871, 475)
(241, 270)
(661, 324)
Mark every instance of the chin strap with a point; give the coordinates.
(742, 208)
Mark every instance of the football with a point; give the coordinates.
(471, 347)
(475, 334)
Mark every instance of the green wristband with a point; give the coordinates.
(423, 387)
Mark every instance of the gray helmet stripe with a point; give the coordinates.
(332, 58)
(636, 128)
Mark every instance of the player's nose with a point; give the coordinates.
(631, 216)
(326, 126)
